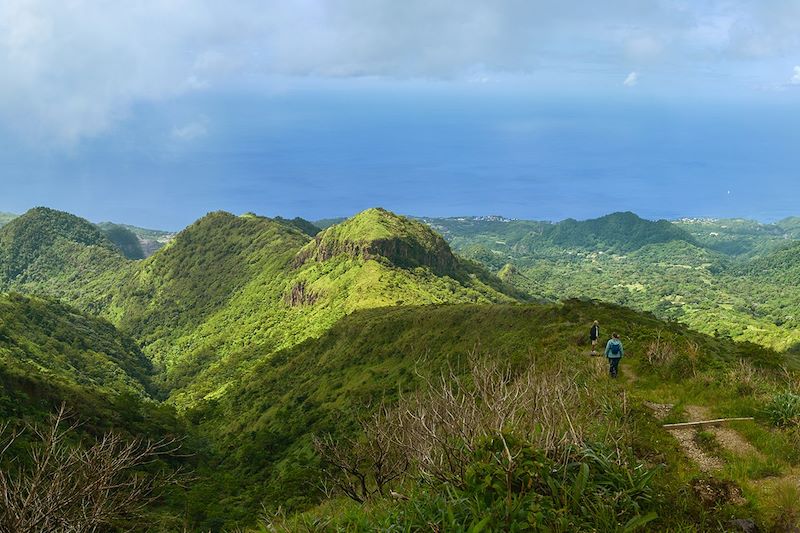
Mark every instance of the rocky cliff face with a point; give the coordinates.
(300, 294)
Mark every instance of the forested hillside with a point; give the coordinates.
(60, 255)
(47, 338)
(270, 347)
(230, 289)
(699, 271)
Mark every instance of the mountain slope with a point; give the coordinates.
(29, 237)
(301, 288)
(229, 290)
(704, 280)
(735, 236)
(53, 356)
(60, 255)
(124, 239)
(782, 265)
(619, 232)
(51, 339)
(791, 225)
(324, 384)
(186, 283)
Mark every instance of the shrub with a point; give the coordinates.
(784, 409)
(744, 377)
(783, 510)
(659, 353)
(511, 485)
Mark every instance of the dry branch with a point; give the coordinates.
(713, 422)
(63, 486)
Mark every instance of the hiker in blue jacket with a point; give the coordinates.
(614, 353)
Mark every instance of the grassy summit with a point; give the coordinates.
(379, 233)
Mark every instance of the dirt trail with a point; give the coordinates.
(686, 438)
(732, 440)
(727, 438)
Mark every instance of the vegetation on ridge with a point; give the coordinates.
(279, 344)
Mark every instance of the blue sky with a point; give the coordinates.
(158, 112)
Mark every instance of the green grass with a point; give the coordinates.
(322, 384)
(263, 336)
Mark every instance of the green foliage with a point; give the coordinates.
(782, 265)
(30, 237)
(300, 223)
(5, 218)
(784, 409)
(726, 277)
(585, 491)
(46, 337)
(618, 232)
(735, 236)
(263, 336)
(125, 240)
(229, 289)
(380, 233)
(267, 418)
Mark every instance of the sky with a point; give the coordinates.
(156, 112)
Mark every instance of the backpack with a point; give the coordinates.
(615, 348)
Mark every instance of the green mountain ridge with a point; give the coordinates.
(618, 232)
(708, 280)
(229, 290)
(251, 335)
(325, 384)
(29, 237)
(306, 289)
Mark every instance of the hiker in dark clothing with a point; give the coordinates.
(614, 352)
(594, 334)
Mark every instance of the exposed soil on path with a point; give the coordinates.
(732, 440)
(728, 438)
(660, 410)
(686, 438)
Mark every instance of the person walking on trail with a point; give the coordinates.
(594, 334)
(614, 353)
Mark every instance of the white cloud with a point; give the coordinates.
(73, 69)
(190, 131)
(796, 78)
(631, 80)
